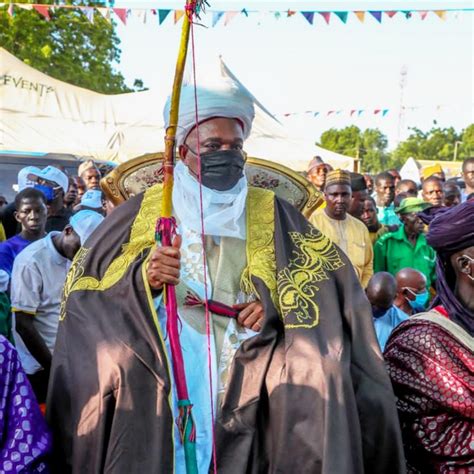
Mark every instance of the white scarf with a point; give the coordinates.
(224, 214)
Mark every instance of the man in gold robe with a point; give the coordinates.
(350, 234)
(297, 372)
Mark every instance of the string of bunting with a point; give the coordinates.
(226, 16)
(365, 112)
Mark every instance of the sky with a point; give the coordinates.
(293, 67)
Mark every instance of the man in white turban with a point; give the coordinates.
(291, 371)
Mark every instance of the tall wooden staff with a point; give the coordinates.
(165, 232)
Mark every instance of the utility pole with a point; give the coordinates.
(401, 114)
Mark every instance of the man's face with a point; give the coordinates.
(433, 192)
(413, 224)
(338, 200)
(32, 215)
(71, 195)
(407, 188)
(357, 203)
(91, 178)
(385, 190)
(415, 284)
(369, 215)
(214, 135)
(318, 175)
(468, 174)
(452, 196)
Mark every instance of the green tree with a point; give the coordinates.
(68, 47)
(436, 144)
(370, 146)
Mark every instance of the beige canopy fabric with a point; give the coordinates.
(42, 114)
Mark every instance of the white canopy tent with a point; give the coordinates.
(42, 114)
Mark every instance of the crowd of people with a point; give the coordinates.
(298, 378)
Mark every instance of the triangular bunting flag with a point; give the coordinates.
(25, 6)
(359, 112)
(290, 13)
(140, 14)
(423, 14)
(42, 10)
(245, 12)
(122, 14)
(391, 13)
(352, 112)
(89, 12)
(441, 14)
(330, 112)
(309, 16)
(326, 16)
(316, 114)
(286, 115)
(162, 14)
(377, 111)
(339, 112)
(216, 16)
(377, 15)
(407, 14)
(229, 16)
(178, 14)
(384, 112)
(360, 15)
(105, 12)
(277, 15)
(10, 10)
(342, 16)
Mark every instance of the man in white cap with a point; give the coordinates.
(54, 184)
(37, 281)
(300, 350)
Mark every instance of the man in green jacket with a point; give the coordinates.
(407, 247)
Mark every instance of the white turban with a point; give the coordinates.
(84, 223)
(226, 100)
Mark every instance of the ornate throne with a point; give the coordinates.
(134, 176)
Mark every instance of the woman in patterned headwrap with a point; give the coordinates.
(430, 358)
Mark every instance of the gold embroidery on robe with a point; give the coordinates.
(261, 260)
(314, 256)
(142, 237)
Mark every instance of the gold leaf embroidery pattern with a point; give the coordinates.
(261, 261)
(142, 237)
(314, 256)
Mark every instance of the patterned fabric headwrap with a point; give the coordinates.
(449, 232)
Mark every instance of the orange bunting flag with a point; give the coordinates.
(43, 10)
(360, 15)
(122, 14)
(178, 14)
(423, 14)
(229, 16)
(441, 14)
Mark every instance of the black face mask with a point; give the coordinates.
(222, 169)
